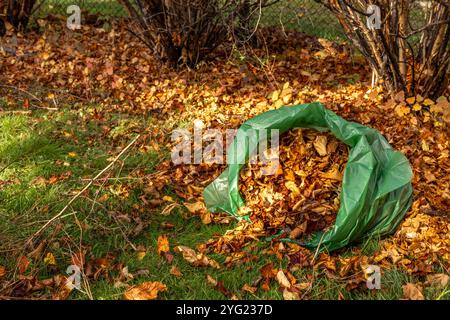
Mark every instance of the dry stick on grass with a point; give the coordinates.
(60, 213)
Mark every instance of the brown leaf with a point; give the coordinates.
(196, 259)
(195, 207)
(283, 280)
(298, 231)
(175, 272)
(412, 292)
(246, 287)
(320, 144)
(2, 271)
(268, 271)
(211, 280)
(145, 291)
(23, 264)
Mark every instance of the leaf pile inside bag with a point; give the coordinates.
(298, 197)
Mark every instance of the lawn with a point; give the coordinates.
(40, 145)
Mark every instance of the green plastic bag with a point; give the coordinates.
(376, 187)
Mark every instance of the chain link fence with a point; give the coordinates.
(306, 16)
(301, 15)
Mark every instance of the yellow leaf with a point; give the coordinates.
(50, 259)
(168, 198)
(279, 103)
(332, 174)
(291, 186)
(140, 255)
(305, 73)
(206, 218)
(287, 98)
(211, 280)
(274, 95)
(290, 295)
(72, 154)
(402, 110)
(417, 107)
(428, 102)
(145, 291)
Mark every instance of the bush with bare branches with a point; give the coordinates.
(184, 31)
(17, 12)
(407, 57)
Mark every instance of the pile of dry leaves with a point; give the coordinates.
(299, 197)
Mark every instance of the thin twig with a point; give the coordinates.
(60, 213)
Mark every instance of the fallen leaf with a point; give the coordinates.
(320, 144)
(23, 264)
(290, 295)
(248, 288)
(64, 288)
(195, 207)
(168, 198)
(291, 186)
(50, 259)
(298, 231)
(411, 100)
(175, 272)
(412, 292)
(145, 291)
(140, 255)
(283, 280)
(402, 110)
(196, 259)
(211, 280)
(163, 245)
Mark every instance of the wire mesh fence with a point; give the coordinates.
(301, 15)
(105, 8)
(306, 16)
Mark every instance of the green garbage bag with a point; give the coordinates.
(376, 187)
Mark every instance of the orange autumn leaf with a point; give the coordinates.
(23, 264)
(163, 245)
(145, 291)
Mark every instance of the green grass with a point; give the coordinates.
(38, 145)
